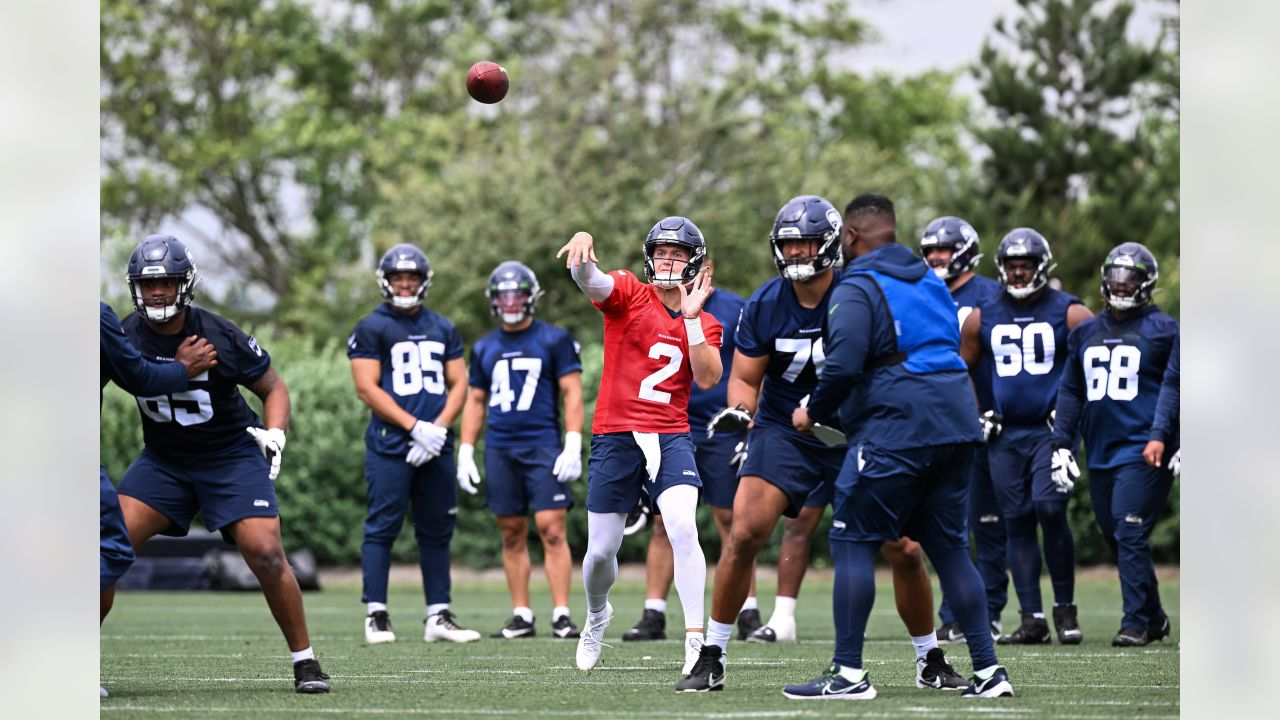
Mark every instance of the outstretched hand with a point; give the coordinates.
(692, 299)
(579, 249)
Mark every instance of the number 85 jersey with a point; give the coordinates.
(644, 386)
(412, 350)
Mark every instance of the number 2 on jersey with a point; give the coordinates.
(415, 366)
(648, 386)
(500, 393)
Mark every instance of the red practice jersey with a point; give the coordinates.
(645, 382)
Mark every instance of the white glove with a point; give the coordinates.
(1065, 470)
(468, 473)
(417, 455)
(739, 455)
(992, 425)
(1053, 418)
(1175, 463)
(569, 464)
(430, 436)
(271, 443)
(729, 420)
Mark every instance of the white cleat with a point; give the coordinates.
(591, 642)
(443, 627)
(778, 630)
(377, 628)
(692, 649)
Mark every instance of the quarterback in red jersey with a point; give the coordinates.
(656, 339)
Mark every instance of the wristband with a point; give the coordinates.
(693, 328)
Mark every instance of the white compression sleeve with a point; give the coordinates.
(595, 284)
(600, 564)
(678, 505)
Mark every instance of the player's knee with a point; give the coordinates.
(512, 540)
(436, 534)
(683, 534)
(265, 561)
(904, 555)
(1051, 512)
(553, 536)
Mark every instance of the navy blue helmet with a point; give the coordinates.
(1025, 243)
(1129, 276)
(957, 235)
(508, 279)
(675, 230)
(404, 258)
(156, 257)
(806, 217)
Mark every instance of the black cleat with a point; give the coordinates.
(748, 622)
(563, 627)
(1159, 630)
(516, 627)
(308, 678)
(933, 671)
(652, 626)
(1130, 637)
(950, 633)
(1064, 619)
(1034, 631)
(707, 674)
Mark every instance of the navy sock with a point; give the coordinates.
(1059, 549)
(1024, 561)
(852, 597)
(962, 584)
(435, 573)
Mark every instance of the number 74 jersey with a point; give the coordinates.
(644, 386)
(413, 350)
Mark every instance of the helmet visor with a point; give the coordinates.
(1123, 282)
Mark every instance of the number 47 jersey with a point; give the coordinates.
(644, 386)
(412, 350)
(521, 372)
(210, 415)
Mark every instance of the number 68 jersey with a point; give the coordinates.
(412, 350)
(210, 415)
(644, 386)
(1114, 369)
(521, 371)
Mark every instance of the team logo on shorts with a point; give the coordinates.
(261, 503)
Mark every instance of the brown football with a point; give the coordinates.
(487, 82)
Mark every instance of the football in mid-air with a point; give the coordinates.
(487, 82)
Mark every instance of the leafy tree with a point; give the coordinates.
(1082, 138)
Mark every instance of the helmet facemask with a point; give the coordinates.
(682, 272)
(1039, 277)
(1126, 288)
(182, 300)
(404, 302)
(804, 268)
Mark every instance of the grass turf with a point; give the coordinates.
(220, 655)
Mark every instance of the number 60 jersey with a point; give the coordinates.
(645, 383)
(210, 415)
(412, 350)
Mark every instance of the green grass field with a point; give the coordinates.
(220, 655)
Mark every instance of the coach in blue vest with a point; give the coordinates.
(894, 377)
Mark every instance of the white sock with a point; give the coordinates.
(784, 608)
(523, 613)
(852, 674)
(1038, 616)
(558, 612)
(750, 604)
(679, 504)
(436, 609)
(718, 633)
(659, 604)
(986, 672)
(600, 564)
(924, 644)
(375, 607)
(305, 654)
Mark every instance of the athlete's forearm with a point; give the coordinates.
(384, 406)
(276, 406)
(456, 378)
(595, 284)
(706, 365)
(473, 413)
(742, 393)
(574, 412)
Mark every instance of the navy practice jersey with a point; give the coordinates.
(774, 323)
(210, 415)
(413, 350)
(1114, 370)
(120, 362)
(972, 294)
(1028, 349)
(704, 404)
(521, 372)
